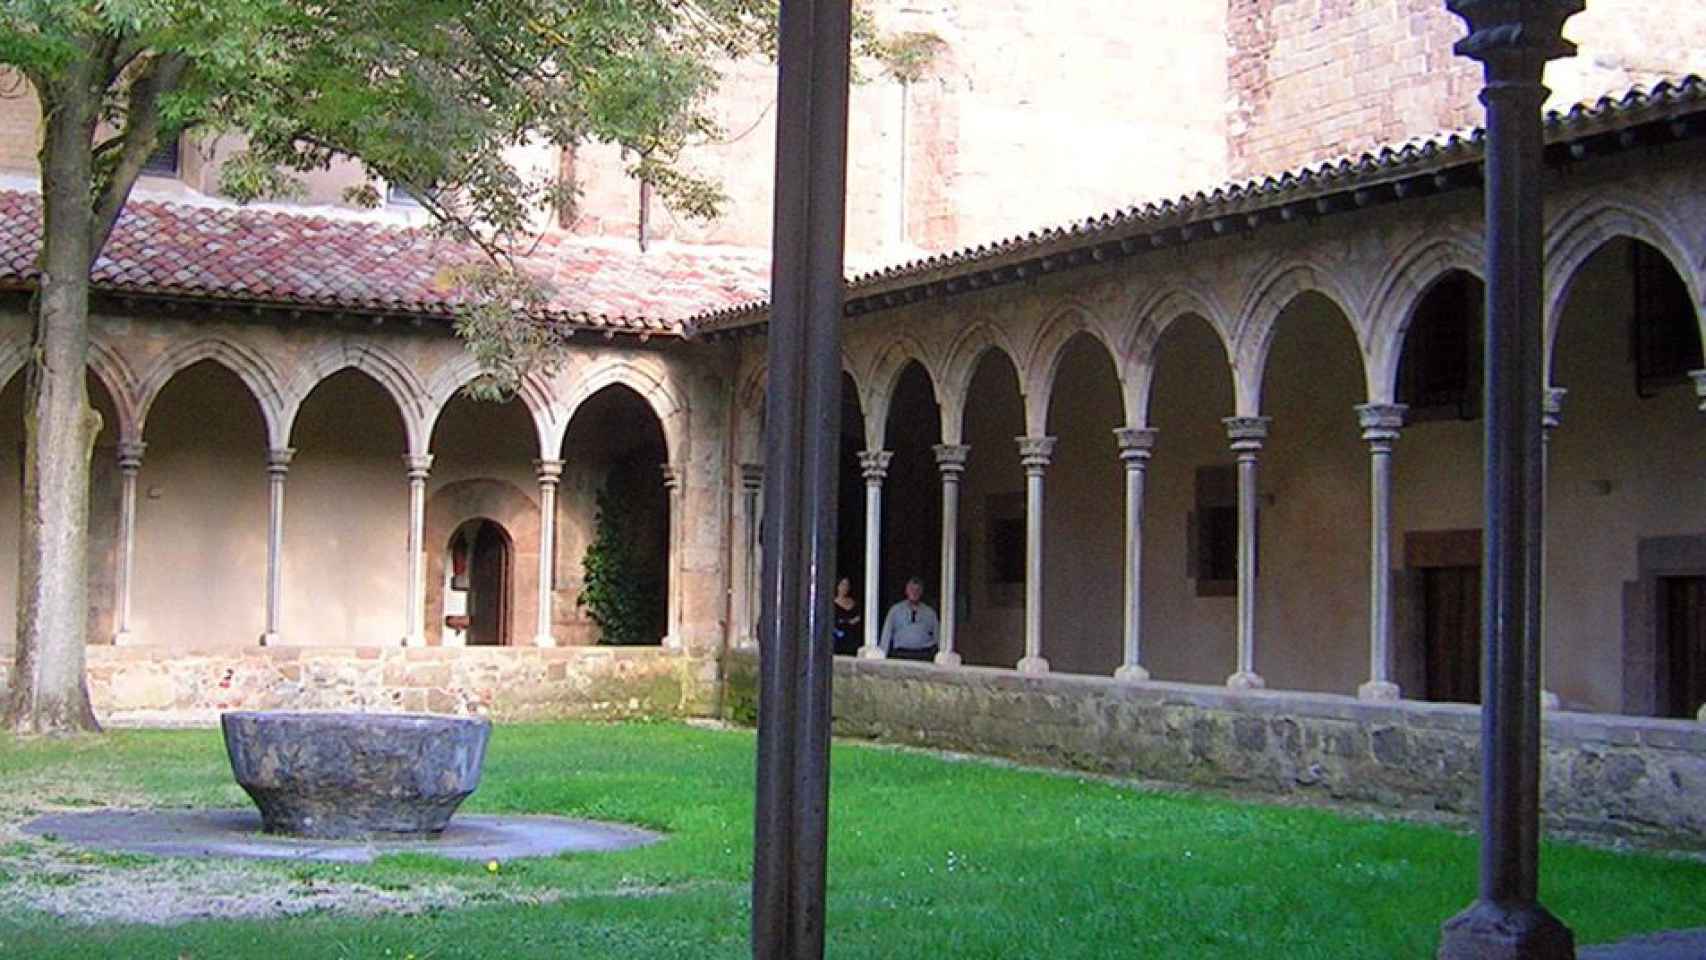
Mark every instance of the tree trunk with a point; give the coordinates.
(50, 692)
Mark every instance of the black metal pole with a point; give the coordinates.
(791, 835)
(1513, 39)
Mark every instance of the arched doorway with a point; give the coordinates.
(478, 567)
(991, 628)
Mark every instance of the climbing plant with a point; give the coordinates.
(623, 591)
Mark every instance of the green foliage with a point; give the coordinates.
(907, 57)
(623, 593)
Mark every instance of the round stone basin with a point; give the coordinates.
(348, 775)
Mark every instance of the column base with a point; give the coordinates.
(1701, 716)
(1506, 931)
(670, 642)
(947, 658)
(271, 639)
(1243, 680)
(1131, 673)
(416, 641)
(544, 640)
(1379, 690)
(1032, 665)
(124, 638)
(1548, 700)
(872, 653)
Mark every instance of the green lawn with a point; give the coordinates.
(929, 858)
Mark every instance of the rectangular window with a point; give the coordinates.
(1439, 374)
(1213, 535)
(1665, 338)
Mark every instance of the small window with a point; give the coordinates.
(1439, 375)
(163, 162)
(1665, 338)
(1212, 559)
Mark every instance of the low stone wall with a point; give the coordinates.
(155, 686)
(1628, 776)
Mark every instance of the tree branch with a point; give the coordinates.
(141, 131)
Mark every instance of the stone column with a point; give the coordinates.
(746, 595)
(550, 473)
(875, 465)
(1380, 425)
(418, 466)
(1035, 453)
(672, 482)
(1513, 39)
(129, 464)
(1551, 416)
(1136, 444)
(1247, 434)
(278, 465)
(951, 460)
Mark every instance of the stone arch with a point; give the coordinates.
(518, 514)
(963, 357)
(881, 379)
(1275, 290)
(1399, 292)
(646, 377)
(108, 367)
(534, 394)
(1581, 232)
(1042, 361)
(397, 378)
(245, 362)
(1154, 319)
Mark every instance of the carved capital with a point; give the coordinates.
(278, 460)
(752, 476)
(1700, 387)
(130, 455)
(1246, 433)
(1035, 453)
(1136, 444)
(1381, 422)
(549, 472)
(874, 464)
(418, 465)
(951, 458)
(1552, 409)
(1515, 38)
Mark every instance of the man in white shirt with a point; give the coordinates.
(909, 630)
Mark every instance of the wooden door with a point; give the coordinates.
(1682, 642)
(488, 587)
(1451, 633)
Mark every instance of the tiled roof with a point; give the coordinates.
(289, 259)
(1225, 206)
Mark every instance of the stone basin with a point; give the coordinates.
(347, 775)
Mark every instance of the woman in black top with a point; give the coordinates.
(847, 619)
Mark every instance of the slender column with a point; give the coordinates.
(1035, 453)
(418, 466)
(278, 465)
(1513, 39)
(752, 483)
(550, 474)
(1551, 417)
(672, 483)
(875, 464)
(1247, 434)
(1136, 444)
(1380, 425)
(951, 460)
(129, 464)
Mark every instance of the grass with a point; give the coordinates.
(930, 857)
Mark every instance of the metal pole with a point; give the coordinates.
(1513, 39)
(801, 437)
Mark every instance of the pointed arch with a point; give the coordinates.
(1391, 308)
(881, 379)
(1580, 233)
(247, 364)
(396, 377)
(442, 387)
(1042, 360)
(645, 376)
(115, 374)
(1154, 319)
(1269, 296)
(962, 360)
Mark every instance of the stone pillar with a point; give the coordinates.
(875, 465)
(1551, 416)
(550, 473)
(418, 466)
(1380, 425)
(278, 465)
(746, 595)
(1136, 444)
(1247, 434)
(951, 460)
(129, 464)
(672, 482)
(1035, 453)
(1513, 39)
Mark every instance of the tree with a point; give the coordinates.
(431, 94)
